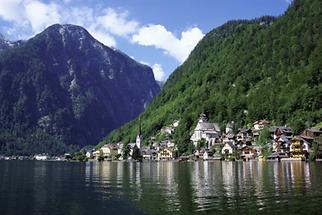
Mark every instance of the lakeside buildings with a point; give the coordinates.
(232, 144)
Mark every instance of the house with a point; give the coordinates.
(41, 157)
(299, 148)
(248, 153)
(149, 154)
(131, 146)
(170, 129)
(205, 156)
(258, 126)
(89, 154)
(277, 131)
(166, 143)
(205, 130)
(311, 134)
(281, 144)
(120, 146)
(167, 154)
(109, 150)
(259, 150)
(228, 149)
(244, 135)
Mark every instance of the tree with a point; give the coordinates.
(136, 153)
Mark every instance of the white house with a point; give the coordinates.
(89, 154)
(205, 155)
(166, 154)
(41, 157)
(205, 130)
(228, 149)
(109, 150)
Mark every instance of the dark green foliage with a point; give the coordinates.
(314, 153)
(201, 144)
(136, 154)
(126, 151)
(264, 137)
(80, 156)
(268, 68)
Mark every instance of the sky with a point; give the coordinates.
(159, 33)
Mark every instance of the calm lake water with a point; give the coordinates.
(36, 187)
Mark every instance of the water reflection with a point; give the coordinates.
(160, 187)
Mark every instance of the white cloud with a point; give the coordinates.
(117, 23)
(29, 17)
(11, 10)
(32, 16)
(158, 72)
(41, 15)
(103, 37)
(159, 37)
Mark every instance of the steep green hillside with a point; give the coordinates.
(243, 71)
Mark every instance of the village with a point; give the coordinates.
(210, 143)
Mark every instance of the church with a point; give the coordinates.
(205, 130)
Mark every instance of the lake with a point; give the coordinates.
(40, 187)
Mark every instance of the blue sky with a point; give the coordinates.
(160, 33)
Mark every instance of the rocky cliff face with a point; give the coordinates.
(66, 84)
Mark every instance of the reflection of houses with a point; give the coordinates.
(299, 148)
(167, 154)
(205, 130)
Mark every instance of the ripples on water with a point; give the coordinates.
(30, 187)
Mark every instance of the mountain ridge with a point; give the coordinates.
(65, 86)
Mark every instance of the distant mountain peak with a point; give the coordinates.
(71, 86)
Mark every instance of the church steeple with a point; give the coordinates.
(140, 131)
(139, 136)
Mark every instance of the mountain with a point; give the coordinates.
(161, 83)
(4, 44)
(266, 68)
(63, 90)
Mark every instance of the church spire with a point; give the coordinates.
(139, 137)
(140, 131)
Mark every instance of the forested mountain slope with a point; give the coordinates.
(267, 68)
